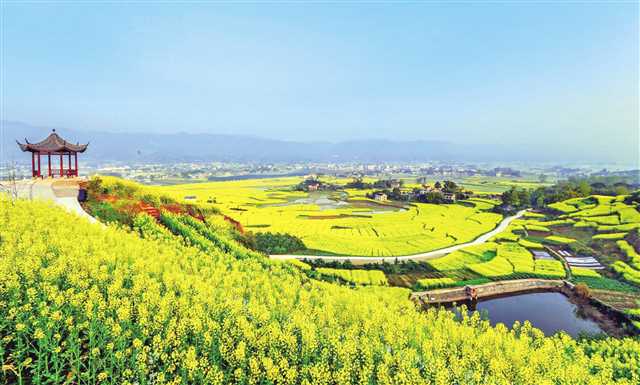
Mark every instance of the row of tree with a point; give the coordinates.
(515, 198)
(359, 183)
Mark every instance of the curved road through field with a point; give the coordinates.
(415, 257)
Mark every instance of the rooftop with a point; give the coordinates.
(53, 144)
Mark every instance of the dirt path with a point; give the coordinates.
(415, 257)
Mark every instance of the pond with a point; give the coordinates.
(337, 200)
(324, 201)
(550, 312)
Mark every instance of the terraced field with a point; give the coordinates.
(346, 223)
(611, 231)
(342, 222)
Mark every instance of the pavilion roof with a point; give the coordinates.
(53, 143)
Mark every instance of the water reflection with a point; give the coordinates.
(336, 200)
(549, 312)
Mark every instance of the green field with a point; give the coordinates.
(342, 222)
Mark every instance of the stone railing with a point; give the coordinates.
(492, 289)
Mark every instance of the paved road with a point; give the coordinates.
(63, 192)
(416, 257)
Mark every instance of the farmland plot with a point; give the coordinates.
(344, 222)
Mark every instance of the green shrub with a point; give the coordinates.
(278, 243)
(107, 213)
(602, 283)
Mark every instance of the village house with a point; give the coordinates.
(449, 197)
(406, 195)
(380, 196)
(427, 189)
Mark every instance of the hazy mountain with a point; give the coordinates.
(211, 147)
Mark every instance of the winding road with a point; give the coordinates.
(415, 257)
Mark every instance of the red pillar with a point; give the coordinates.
(60, 165)
(49, 156)
(69, 165)
(76, 157)
(33, 164)
(39, 174)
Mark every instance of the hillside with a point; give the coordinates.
(147, 146)
(83, 304)
(182, 146)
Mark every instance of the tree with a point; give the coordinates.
(433, 197)
(621, 190)
(450, 186)
(584, 189)
(633, 198)
(524, 197)
(517, 198)
(510, 197)
(278, 243)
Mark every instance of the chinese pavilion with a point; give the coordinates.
(56, 146)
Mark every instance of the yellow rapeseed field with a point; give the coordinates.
(83, 304)
(355, 226)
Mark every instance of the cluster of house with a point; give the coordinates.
(312, 183)
(447, 196)
(416, 194)
(389, 189)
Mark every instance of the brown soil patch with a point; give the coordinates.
(618, 300)
(235, 223)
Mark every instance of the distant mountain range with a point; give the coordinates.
(185, 147)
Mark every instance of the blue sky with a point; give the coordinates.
(513, 73)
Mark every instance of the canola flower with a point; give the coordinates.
(80, 304)
(270, 205)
